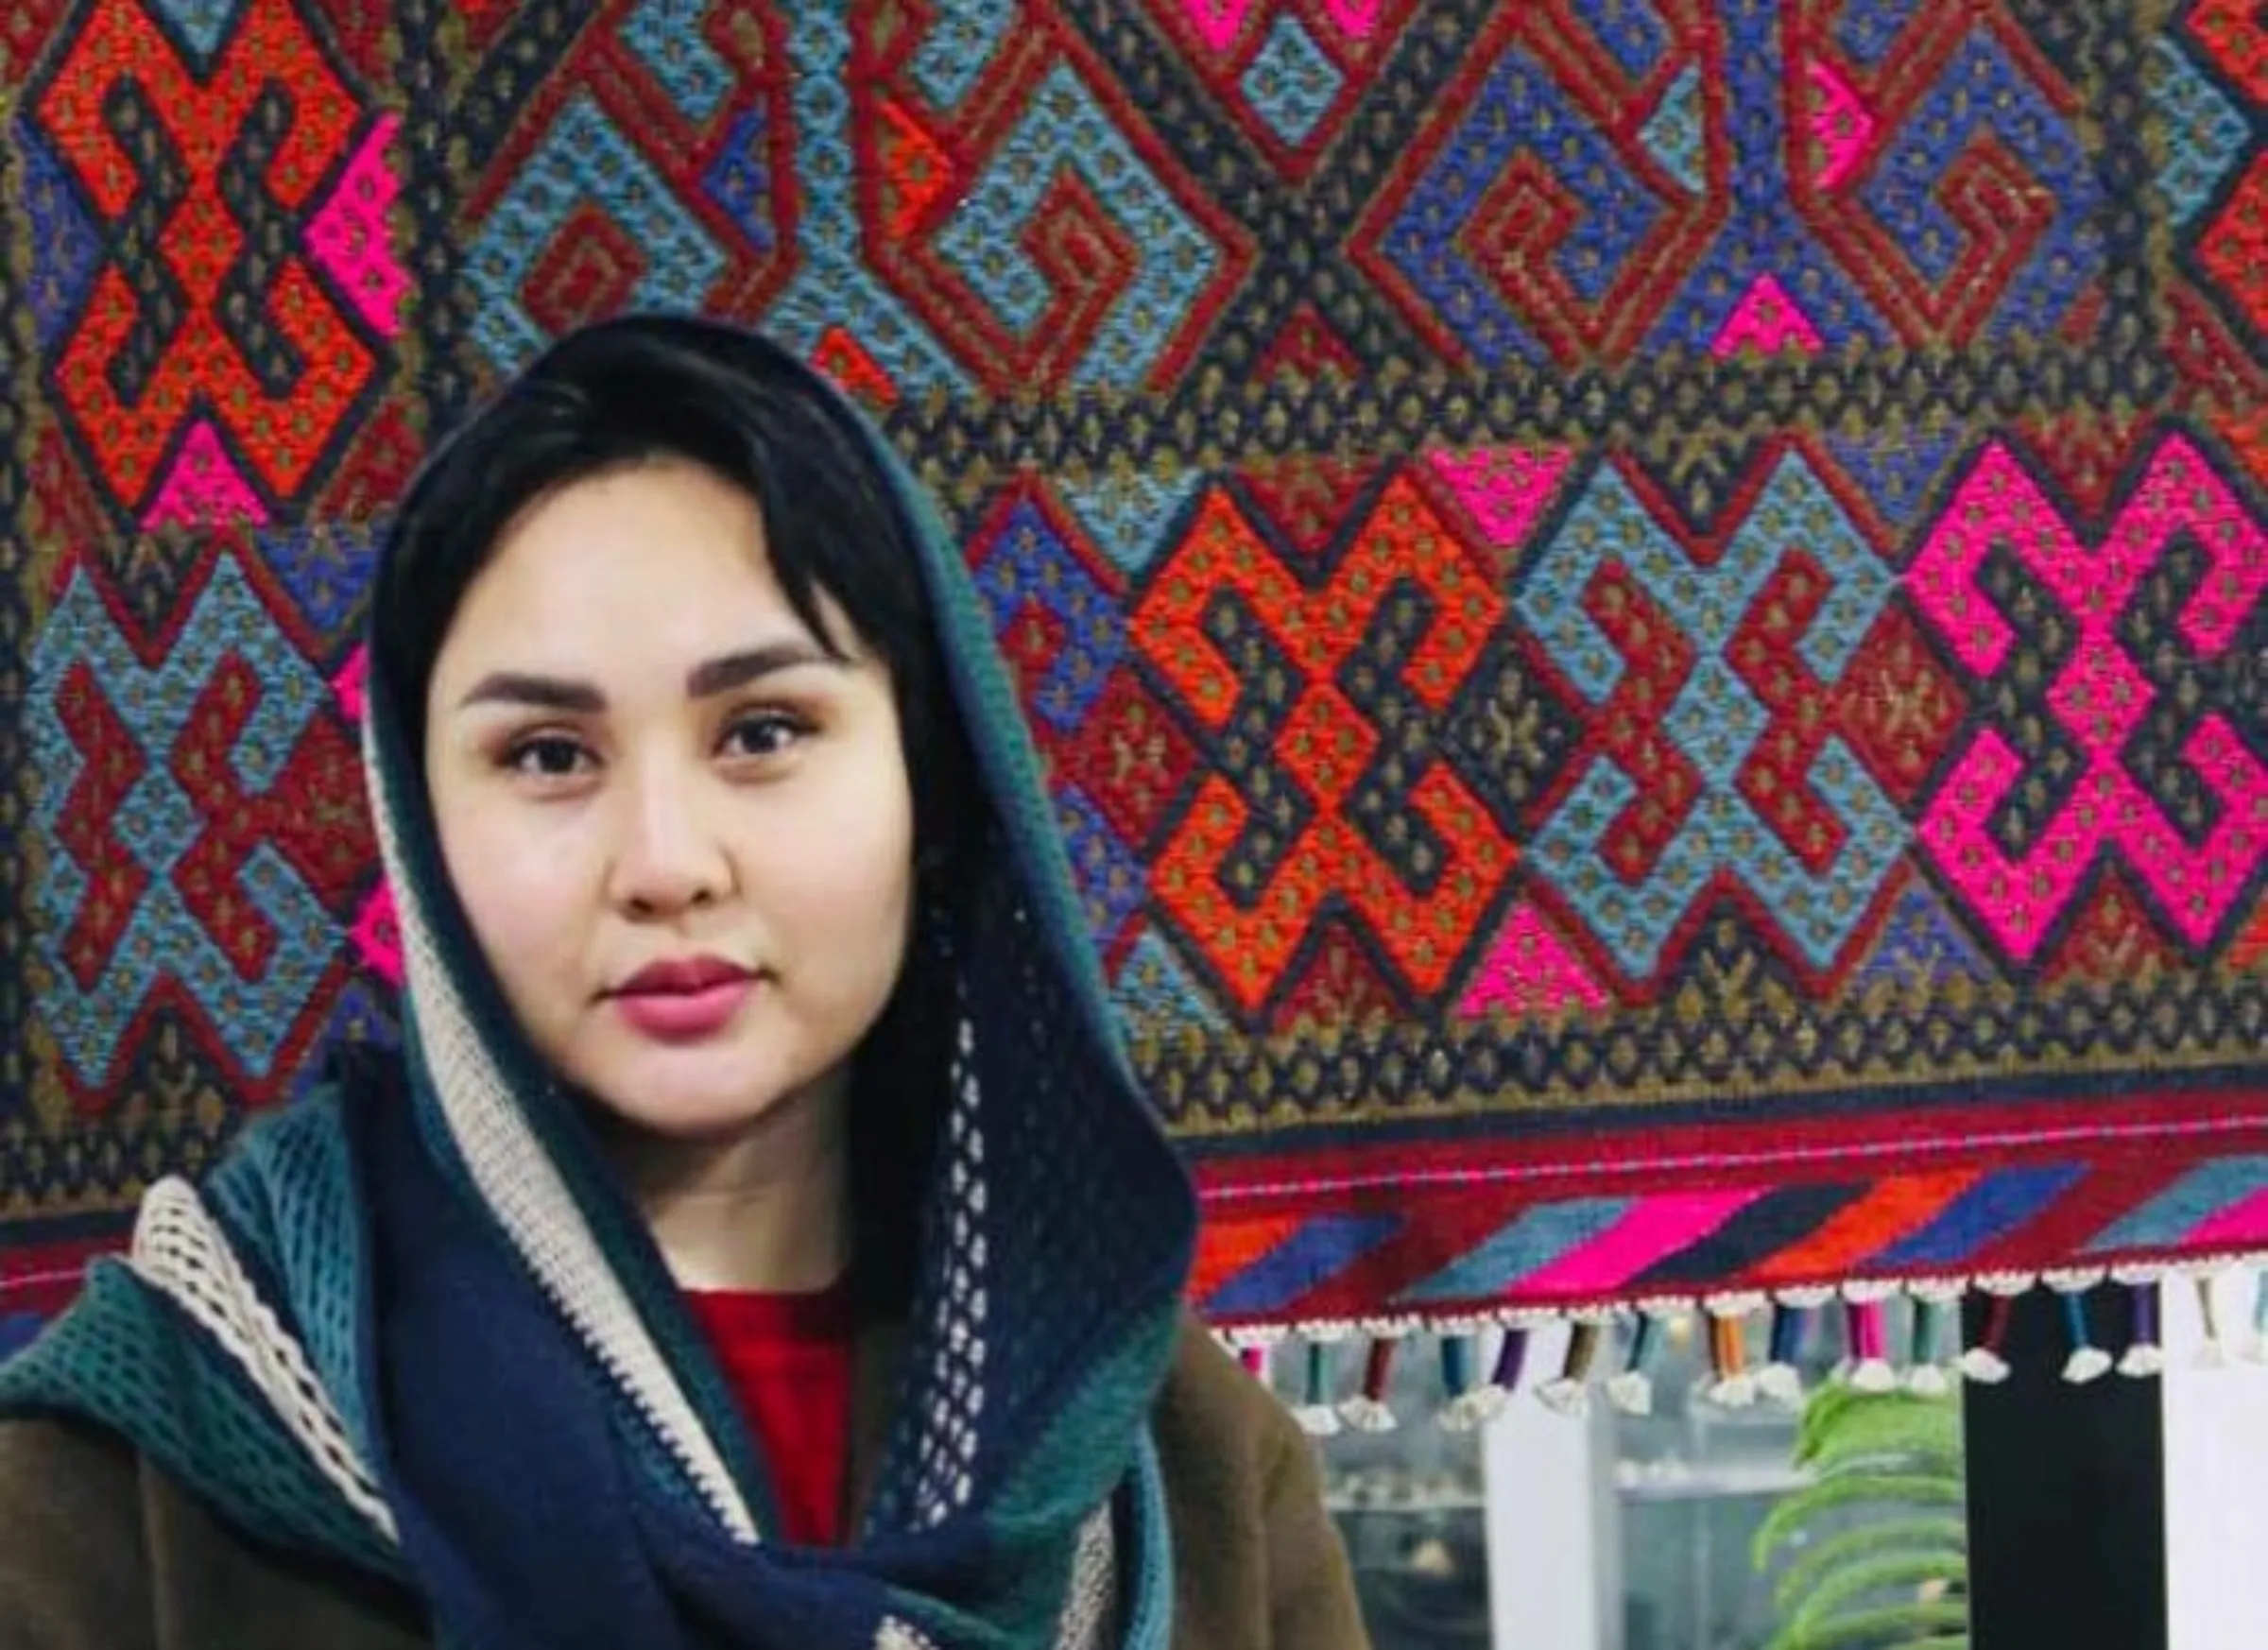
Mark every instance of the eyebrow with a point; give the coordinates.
(704, 682)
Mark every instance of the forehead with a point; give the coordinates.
(660, 561)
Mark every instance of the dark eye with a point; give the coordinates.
(546, 756)
(763, 734)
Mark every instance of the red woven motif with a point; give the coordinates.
(198, 241)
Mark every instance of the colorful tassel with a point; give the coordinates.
(1367, 1409)
(1632, 1391)
(1985, 1362)
(1511, 1358)
(1253, 1355)
(2146, 1347)
(2214, 1355)
(2144, 1354)
(2087, 1361)
(1868, 1328)
(1464, 1405)
(1779, 1381)
(1731, 1385)
(1936, 1331)
(1569, 1392)
(1316, 1415)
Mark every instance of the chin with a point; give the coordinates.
(689, 1097)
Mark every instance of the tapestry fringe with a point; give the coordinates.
(1611, 1351)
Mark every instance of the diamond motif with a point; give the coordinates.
(1673, 133)
(1291, 82)
(584, 174)
(1070, 241)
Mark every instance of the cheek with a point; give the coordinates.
(844, 882)
(515, 892)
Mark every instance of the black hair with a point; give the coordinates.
(643, 388)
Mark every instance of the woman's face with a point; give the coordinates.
(682, 833)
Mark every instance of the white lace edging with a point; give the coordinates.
(1090, 1610)
(181, 1250)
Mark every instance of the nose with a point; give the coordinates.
(670, 855)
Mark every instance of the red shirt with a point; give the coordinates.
(789, 1360)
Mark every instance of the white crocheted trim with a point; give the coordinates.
(1090, 1611)
(946, 1460)
(179, 1249)
(531, 1200)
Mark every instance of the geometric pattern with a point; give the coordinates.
(1706, 674)
(2171, 786)
(583, 156)
(1645, 619)
(210, 873)
(1334, 694)
(213, 308)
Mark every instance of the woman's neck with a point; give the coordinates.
(767, 1209)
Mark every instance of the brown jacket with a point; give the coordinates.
(99, 1551)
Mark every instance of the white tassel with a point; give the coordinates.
(1632, 1392)
(1317, 1420)
(2142, 1360)
(1564, 1397)
(1874, 1375)
(1470, 1411)
(1781, 1384)
(1984, 1365)
(1366, 1415)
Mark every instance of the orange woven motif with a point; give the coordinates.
(199, 240)
(1253, 863)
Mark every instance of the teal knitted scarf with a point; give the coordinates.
(413, 1326)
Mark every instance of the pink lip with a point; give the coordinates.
(684, 1015)
(684, 973)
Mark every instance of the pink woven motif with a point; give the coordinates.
(1653, 1228)
(378, 936)
(1220, 22)
(1840, 125)
(1502, 488)
(2235, 1230)
(203, 487)
(2101, 698)
(1531, 972)
(1766, 320)
(349, 237)
(352, 683)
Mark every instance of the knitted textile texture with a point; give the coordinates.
(1644, 618)
(412, 1324)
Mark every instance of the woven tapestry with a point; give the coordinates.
(1649, 618)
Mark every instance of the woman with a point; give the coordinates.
(759, 1239)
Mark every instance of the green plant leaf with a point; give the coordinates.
(1885, 1427)
(1938, 1537)
(1895, 1628)
(1857, 1582)
(1825, 1403)
(1800, 1506)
